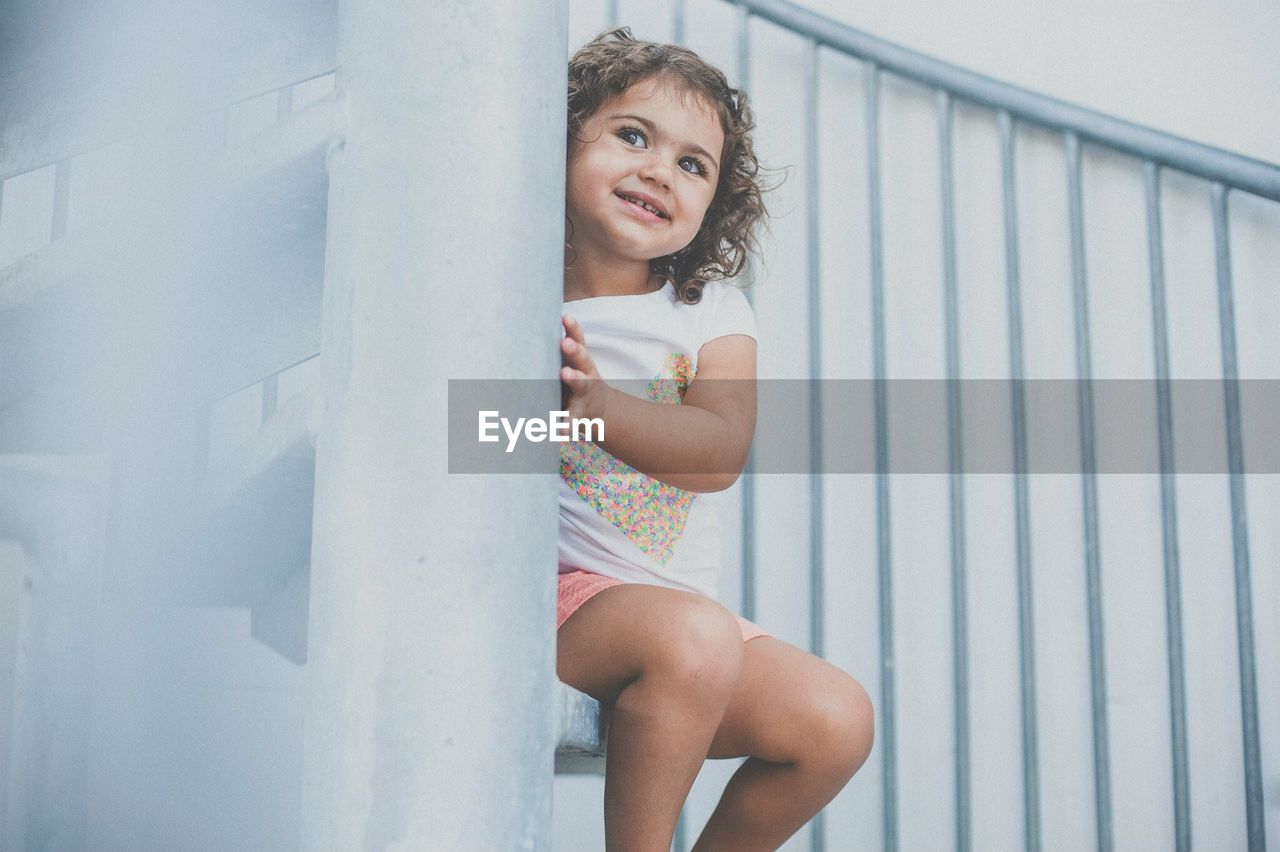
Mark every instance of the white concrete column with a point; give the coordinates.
(432, 647)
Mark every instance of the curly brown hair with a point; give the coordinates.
(613, 62)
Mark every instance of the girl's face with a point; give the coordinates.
(654, 145)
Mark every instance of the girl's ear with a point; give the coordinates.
(568, 245)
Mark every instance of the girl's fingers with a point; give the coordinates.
(573, 329)
(578, 369)
(575, 381)
(576, 355)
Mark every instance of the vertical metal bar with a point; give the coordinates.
(883, 544)
(677, 37)
(748, 478)
(1089, 493)
(817, 626)
(1239, 527)
(743, 19)
(677, 22)
(680, 841)
(1021, 499)
(1169, 516)
(611, 12)
(813, 261)
(61, 199)
(955, 456)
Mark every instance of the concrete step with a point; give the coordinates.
(580, 743)
(280, 621)
(253, 513)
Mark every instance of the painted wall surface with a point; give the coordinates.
(1189, 68)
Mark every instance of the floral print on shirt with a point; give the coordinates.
(651, 514)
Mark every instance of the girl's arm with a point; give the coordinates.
(701, 445)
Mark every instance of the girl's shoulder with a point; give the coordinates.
(725, 310)
(717, 291)
(716, 296)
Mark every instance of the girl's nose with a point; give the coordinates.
(656, 170)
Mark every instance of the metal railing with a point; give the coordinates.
(1157, 151)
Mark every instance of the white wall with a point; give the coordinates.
(1201, 70)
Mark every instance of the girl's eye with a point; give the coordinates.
(635, 137)
(698, 164)
(626, 134)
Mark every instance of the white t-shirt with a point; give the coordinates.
(615, 520)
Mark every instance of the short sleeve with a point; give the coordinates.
(729, 312)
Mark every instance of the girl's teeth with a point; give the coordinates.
(645, 206)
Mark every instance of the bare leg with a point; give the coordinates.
(667, 661)
(807, 728)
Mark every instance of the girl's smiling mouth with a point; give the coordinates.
(643, 207)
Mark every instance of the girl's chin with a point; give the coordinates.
(647, 248)
(637, 250)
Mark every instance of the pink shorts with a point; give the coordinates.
(577, 587)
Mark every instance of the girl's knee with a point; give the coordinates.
(702, 647)
(843, 724)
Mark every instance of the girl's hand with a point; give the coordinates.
(583, 393)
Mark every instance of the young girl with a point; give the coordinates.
(661, 202)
